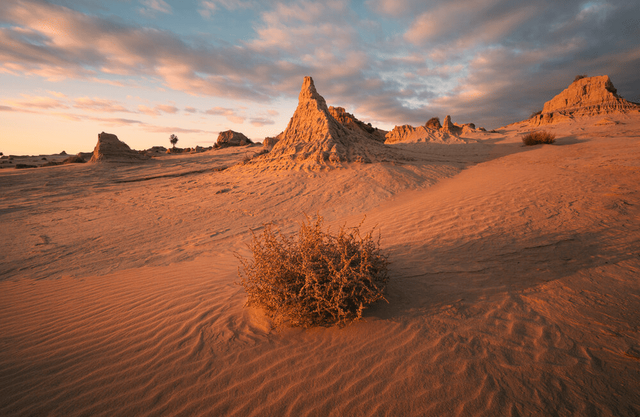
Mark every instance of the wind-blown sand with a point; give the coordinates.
(514, 286)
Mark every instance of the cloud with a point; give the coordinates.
(395, 8)
(38, 102)
(75, 45)
(230, 114)
(116, 121)
(261, 121)
(167, 108)
(99, 105)
(157, 110)
(57, 94)
(207, 8)
(173, 129)
(151, 7)
(416, 59)
(190, 109)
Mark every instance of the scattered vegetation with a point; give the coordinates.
(538, 138)
(579, 77)
(173, 139)
(535, 114)
(315, 278)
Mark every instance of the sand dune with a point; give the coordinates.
(514, 284)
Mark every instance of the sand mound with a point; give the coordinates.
(314, 139)
(110, 149)
(590, 96)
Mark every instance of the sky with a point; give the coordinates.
(146, 69)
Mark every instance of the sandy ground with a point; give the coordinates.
(514, 290)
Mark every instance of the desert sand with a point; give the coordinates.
(514, 285)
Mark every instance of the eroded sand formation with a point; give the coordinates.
(110, 149)
(589, 96)
(314, 139)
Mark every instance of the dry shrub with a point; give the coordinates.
(538, 138)
(314, 278)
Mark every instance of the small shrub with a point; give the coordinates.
(535, 114)
(314, 278)
(538, 138)
(579, 77)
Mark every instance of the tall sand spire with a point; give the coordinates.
(314, 139)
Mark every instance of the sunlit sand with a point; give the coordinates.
(514, 279)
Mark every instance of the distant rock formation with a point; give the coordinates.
(433, 123)
(110, 149)
(449, 127)
(432, 132)
(314, 139)
(349, 121)
(589, 96)
(155, 150)
(269, 143)
(75, 159)
(231, 138)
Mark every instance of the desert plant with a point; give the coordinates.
(315, 278)
(538, 138)
(173, 139)
(535, 114)
(579, 77)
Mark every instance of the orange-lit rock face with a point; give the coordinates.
(587, 92)
(589, 96)
(314, 138)
(231, 138)
(110, 149)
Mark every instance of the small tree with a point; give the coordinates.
(173, 139)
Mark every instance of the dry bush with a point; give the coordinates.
(579, 77)
(538, 138)
(314, 278)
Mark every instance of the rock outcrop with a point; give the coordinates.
(432, 132)
(349, 121)
(314, 139)
(231, 138)
(269, 143)
(75, 159)
(589, 96)
(449, 127)
(110, 149)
